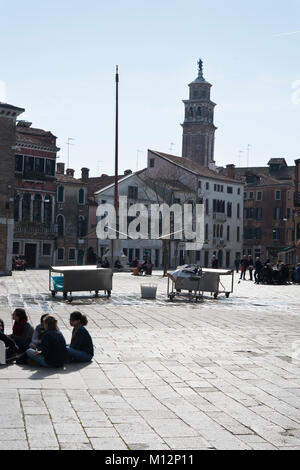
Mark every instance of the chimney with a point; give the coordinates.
(127, 172)
(60, 168)
(85, 174)
(70, 172)
(230, 171)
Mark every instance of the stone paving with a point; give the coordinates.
(221, 374)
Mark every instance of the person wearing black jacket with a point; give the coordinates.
(52, 351)
(244, 267)
(250, 267)
(81, 348)
(258, 270)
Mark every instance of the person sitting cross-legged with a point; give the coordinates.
(11, 349)
(81, 348)
(52, 351)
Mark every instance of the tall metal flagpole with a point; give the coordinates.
(116, 202)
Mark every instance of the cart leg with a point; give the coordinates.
(216, 295)
(109, 293)
(96, 293)
(227, 295)
(65, 295)
(53, 293)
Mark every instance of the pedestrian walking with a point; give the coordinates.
(214, 262)
(237, 263)
(250, 267)
(244, 267)
(258, 270)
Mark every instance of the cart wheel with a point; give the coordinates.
(65, 295)
(53, 293)
(96, 293)
(215, 295)
(227, 295)
(70, 299)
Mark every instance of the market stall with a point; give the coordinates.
(80, 278)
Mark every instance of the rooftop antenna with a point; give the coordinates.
(68, 144)
(248, 154)
(137, 158)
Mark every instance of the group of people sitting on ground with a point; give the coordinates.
(45, 345)
(19, 262)
(142, 268)
(267, 273)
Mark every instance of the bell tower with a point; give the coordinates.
(198, 127)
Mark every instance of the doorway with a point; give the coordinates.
(30, 255)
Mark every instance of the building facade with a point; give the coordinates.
(222, 198)
(8, 116)
(35, 228)
(297, 211)
(268, 208)
(72, 213)
(198, 138)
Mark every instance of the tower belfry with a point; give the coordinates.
(198, 127)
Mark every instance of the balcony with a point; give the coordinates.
(219, 216)
(219, 242)
(297, 198)
(33, 228)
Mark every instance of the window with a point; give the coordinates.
(16, 248)
(60, 254)
(276, 234)
(238, 234)
(60, 225)
(19, 163)
(199, 184)
(229, 209)
(28, 164)
(245, 196)
(215, 187)
(259, 196)
(206, 232)
(207, 186)
(46, 249)
(39, 165)
(229, 189)
(72, 254)
(239, 191)
(82, 226)
(288, 213)
(228, 233)
(277, 195)
(207, 206)
(238, 211)
(251, 195)
(81, 196)
(152, 162)
(289, 195)
(50, 167)
(132, 192)
(60, 194)
(276, 213)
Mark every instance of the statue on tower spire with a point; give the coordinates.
(200, 69)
